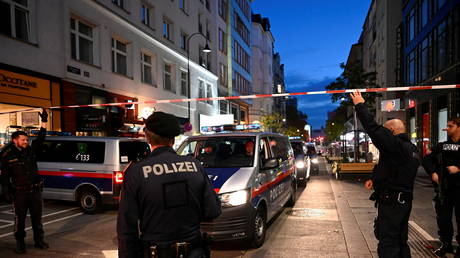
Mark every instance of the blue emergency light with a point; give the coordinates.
(229, 128)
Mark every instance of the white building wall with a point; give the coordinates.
(49, 51)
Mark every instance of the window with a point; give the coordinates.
(441, 43)
(183, 5)
(119, 57)
(411, 68)
(223, 74)
(241, 57)
(146, 68)
(242, 115)
(244, 6)
(208, 5)
(201, 91)
(222, 8)
(424, 13)
(15, 19)
(183, 83)
(234, 110)
(424, 59)
(133, 151)
(242, 85)
(167, 29)
(72, 151)
(183, 40)
(442, 121)
(208, 32)
(81, 41)
(281, 148)
(209, 92)
(241, 29)
(119, 3)
(411, 26)
(200, 25)
(440, 3)
(167, 80)
(145, 14)
(223, 106)
(222, 41)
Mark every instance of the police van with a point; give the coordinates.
(88, 170)
(254, 176)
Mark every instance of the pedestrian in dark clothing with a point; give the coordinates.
(392, 180)
(23, 185)
(443, 164)
(164, 198)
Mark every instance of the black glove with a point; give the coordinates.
(44, 115)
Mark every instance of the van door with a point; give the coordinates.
(282, 150)
(266, 177)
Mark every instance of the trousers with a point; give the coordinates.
(31, 201)
(391, 228)
(444, 208)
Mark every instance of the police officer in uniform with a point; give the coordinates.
(164, 198)
(23, 185)
(443, 164)
(392, 180)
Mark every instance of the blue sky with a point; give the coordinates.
(313, 38)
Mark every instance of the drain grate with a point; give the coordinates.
(419, 245)
(308, 213)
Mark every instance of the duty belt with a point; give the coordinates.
(392, 196)
(29, 188)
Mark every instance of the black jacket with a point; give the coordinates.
(398, 162)
(19, 166)
(444, 154)
(168, 195)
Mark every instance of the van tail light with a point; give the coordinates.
(118, 177)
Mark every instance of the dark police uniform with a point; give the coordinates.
(448, 192)
(164, 198)
(22, 182)
(393, 181)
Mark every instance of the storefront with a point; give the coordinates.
(96, 121)
(22, 95)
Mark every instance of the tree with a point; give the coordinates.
(273, 122)
(336, 125)
(353, 77)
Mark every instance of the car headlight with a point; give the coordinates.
(315, 161)
(300, 164)
(235, 198)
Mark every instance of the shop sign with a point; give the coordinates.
(24, 85)
(391, 105)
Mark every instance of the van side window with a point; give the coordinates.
(133, 151)
(264, 149)
(188, 150)
(280, 148)
(72, 151)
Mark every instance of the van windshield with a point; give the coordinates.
(218, 152)
(133, 151)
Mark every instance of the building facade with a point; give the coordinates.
(430, 48)
(279, 104)
(110, 51)
(262, 67)
(379, 56)
(233, 24)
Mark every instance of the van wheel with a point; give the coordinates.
(258, 228)
(293, 198)
(90, 201)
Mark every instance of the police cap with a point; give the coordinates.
(163, 124)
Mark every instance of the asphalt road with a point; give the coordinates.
(312, 228)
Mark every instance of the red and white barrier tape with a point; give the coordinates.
(256, 96)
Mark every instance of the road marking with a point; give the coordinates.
(422, 232)
(4, 206)
(46, 215)
(46, 223)
(110, 253)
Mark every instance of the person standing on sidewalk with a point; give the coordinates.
(392, 180)
(443, 164)
(23, 185)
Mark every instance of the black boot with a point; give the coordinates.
(41, 244)
(20, 246)
(444, 249)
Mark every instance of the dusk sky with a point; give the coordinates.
(313, 38)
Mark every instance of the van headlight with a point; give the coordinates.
(234, 198)
(300, 164)
(314, 161)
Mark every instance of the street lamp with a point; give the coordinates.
(206, 49)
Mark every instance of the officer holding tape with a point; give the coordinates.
(164, 198)
(23, 185)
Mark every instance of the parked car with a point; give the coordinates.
(313, 155)
(88, 170)
(253, 174)
(302, 161)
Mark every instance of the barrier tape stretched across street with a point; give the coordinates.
(255, 96)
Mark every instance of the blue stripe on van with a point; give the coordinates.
(219, 176)
(62, 182)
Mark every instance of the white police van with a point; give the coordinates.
(254, 182)
(88, 170)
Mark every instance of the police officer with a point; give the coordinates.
(392, 180)
(443, 164)
(164, 198)
(23, 185)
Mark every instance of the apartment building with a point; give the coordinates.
(81, 52)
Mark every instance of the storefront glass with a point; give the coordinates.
(442, 123)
